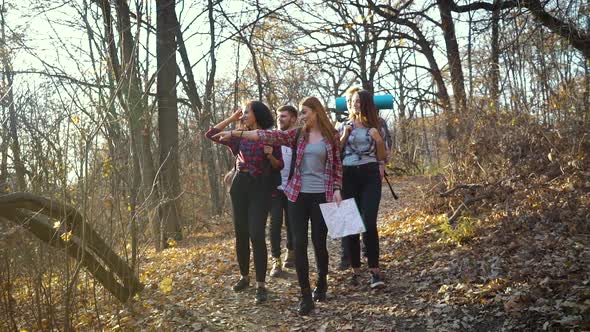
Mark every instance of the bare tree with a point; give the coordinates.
(7, 99)
(168, 120)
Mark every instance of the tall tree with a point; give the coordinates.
(125, 73)
(168, 119)
(453, 54)
(8, 99)
(578, 37)
(424, 46)
(495, 59)
(208, 106)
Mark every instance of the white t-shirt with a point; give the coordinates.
(287, 153)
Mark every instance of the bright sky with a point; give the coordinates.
(56, 35)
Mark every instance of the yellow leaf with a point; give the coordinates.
(166, 285)
(75, 119)
(56, 224)
(171, 243)
(66, 236)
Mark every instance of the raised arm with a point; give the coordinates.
(268, 137)
(279, 137)
(212, 133)
(225, 136)
(232, 118)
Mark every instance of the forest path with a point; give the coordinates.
(491, 282)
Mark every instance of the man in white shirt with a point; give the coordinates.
(286, 120)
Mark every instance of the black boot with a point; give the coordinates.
(321, 286)
(306, 304)
(242, 284)
(261, 295)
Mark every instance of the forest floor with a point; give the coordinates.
(489, 275)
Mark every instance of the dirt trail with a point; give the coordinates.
(430, 285)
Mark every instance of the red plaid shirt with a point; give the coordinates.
(250, 154)
(333, 171)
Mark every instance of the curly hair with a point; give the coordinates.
(262, 114)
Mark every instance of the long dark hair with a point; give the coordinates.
(369, 116)
(262, 114)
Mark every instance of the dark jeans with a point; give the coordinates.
(307, 207)
(344, 254)
(279, 204)
(363, 183)
(250, 197)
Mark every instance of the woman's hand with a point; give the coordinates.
(223, 135)
(381, 170)
(267, 150)
(347, 129)
(237, 115)
(337, 197)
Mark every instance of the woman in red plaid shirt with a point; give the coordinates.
(251, 191)
(316, 179)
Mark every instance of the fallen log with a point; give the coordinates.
(86, 246)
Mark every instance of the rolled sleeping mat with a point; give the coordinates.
(381, 102)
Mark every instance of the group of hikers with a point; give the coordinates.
(291, 171)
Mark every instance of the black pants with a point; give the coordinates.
(363, 183)
(250, 197)
(279, 205)
(307, 207)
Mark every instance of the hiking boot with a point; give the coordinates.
(289, 260)
(319, 292)
(276, 267)
(319, 295)
(242, 284)
(354, 280)
(306, 304)
(261, 295)
(376, 281)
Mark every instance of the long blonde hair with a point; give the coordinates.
(323, 122)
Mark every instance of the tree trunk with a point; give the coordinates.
(213, 176)
(453, 55)
(495, 60)
(168, 118)
(134, 102)
(11, 207)
(19, 166)
(202, 110)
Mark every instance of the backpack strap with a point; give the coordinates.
(294, 155)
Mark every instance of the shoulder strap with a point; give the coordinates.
(294, 154)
